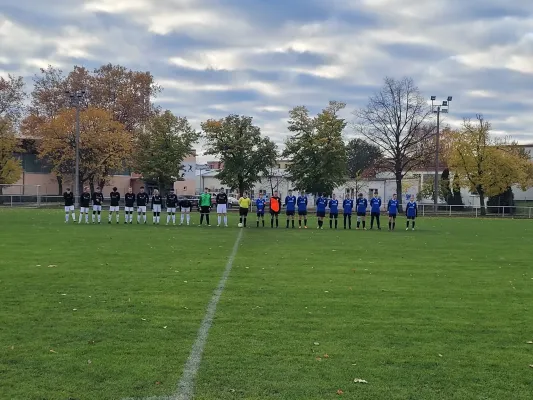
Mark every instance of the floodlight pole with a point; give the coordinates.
(437, 110)
(76, 101)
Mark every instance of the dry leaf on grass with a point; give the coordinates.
(316, 343)
(53, 351)
(340, 392)
(318, 359)
(359, 380)
(326, 356)
(440, 355)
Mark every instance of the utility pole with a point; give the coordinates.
(444, 107)
(76, 100)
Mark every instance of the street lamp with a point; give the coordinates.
(76, 100)
(437, 109)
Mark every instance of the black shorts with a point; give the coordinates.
(205, 209)
(261, 213)
(374, 214)
(361, 214)
(413, 218)
(302, 212)
(393, 215)
(347, 214)
(320, 214)
(243, 212)
(334, 215)
(276, 213)
(290, 213)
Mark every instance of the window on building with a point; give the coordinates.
(32, 164)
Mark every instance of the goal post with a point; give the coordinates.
(21, 196)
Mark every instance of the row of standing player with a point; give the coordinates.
(299, 205)
(141, 200)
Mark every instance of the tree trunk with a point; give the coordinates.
(60, 185)
(482, 200)
(91, 185)
(241, 188)
(399, 192)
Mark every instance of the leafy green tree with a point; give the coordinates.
(161, 148)
(360, 156)
(316, 149)
(502, 203)
(238, 143)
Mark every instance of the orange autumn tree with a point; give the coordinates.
(105, 145)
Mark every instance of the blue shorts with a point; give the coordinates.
(392, 215)
(320, 214)
(261, 213)
(304, 212)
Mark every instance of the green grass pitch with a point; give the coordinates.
(110, 312)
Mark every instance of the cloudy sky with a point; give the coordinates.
(262, 57)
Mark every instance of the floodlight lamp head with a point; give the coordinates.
(449, 98)
(433, 98)
(445, 103)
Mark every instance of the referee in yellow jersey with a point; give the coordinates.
(244, 206)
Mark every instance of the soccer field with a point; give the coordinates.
(95, 312)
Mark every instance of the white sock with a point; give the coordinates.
(225, 219)
(99, 218)
(188, 219)
(74, 217)
(81, 216)
(66, 217)
(87, 217)
(168, 218)
(182, 217)
(138, 217)
(173, 218)
(93, 217)
(144, 217)
(110, 215)
(158, 218)
(219, 218)
(118, 217)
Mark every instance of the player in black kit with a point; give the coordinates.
(114, 207)
(185, 206)
(85, 203)
(142, 201)
(171, 203)
(129, 202)
(222, 207)
(98, 199)
(69, 205)
(157, 202)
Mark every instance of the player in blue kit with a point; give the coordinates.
(375, 209)
(301, 201)
(392, 209)
(347, 208)
(361, 205)
(260, 209)
(411, 211)
(321, 204)
(290, 204)
(333, 211)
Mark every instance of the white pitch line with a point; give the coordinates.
(186, 384)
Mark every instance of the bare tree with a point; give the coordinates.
(397, 120)
(276, 177)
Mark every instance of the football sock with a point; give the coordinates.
(188, 218)
(349, 222)
(393, 225)
(168, 219)
(87, 217)
(263, 220)
(413, 224)
(226, 220)
(292, 223)
(201, 219)
(300, 223)
(364, 224)
(153, 219)
(390, 225)
(99, 216)
(240, 220)
(66, 217)
(144, 217)
(272, 222)
(407, 223)
(372, 222)
(219, 219)
(377, 222)
(207, 219)
(277, 222)
(336, 223)
(94, 216)
(182, 217)
(257, 223)
(305, 222)
(330, 223)
(173, 218)
(287, 224)
(245, 222)
(138, 218)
